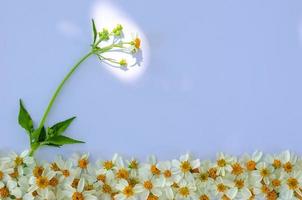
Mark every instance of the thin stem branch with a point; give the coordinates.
(73, 69)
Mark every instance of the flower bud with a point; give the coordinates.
(123, 63)
(118, 30)
(104, 35)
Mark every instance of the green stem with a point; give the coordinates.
(61, 86)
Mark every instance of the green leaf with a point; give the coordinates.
(42, 135)
(61, 140)
(35, 135)
(24, 119)
(94, 31)
(60, 127)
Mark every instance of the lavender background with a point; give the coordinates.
(223, 76)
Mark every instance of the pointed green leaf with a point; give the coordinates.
(60, 127)
(61, 140)
(42, 135)
(94, 31)
(24, 119)
(35, 135)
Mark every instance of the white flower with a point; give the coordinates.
(223, 164)
(184, 166)
(42, 182)
(291, 185)
(186, 191)
(250, 162)
(18, 188)
(167, 175)
(148, 185)
(107, 167)
(263, 172)
(126, 191)
(224, 187)
(79, 192)
(23, 158)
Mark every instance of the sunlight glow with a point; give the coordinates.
(107, 15)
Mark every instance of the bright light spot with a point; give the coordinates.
(108, 16)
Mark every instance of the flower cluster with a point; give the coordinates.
(106, 41)
(249, 177)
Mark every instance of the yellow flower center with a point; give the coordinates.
(221, 187)
(213, 173)
(1, 175)
(237, 169)
(239, 183)
(77, 196)
(276, 182)
(265, 189)
(277, 164)
(42, 182)
(137, 43)
(293, 183)
(128, 191)
(225, 197)
(272, 195)
(38, 170)
(203, 176)
(102, 178)
(122, 174)
(4, 192)
(75, 183)
(204, 197)
(288, 167)
(66, 173)
(53, 182)
(106, 188)
(148, 185)
(264, 172)
(184, 191)
(108, 165)
(221, 162)
(18, 161)
(251, 165)
(154, 170)
(55, 167)
(133, 164)
(152, 197)
(167, 173)
(185, 166)
(88, 187)
(83, 163)
(15, 174)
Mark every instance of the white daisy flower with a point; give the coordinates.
(20, 160)
(250, 162)
(79, 193)
(184, 167)
(149, 185)
(224, 188)
(223, 164)
(40, 183)
(126, 191)
(186, 191)
(291, 184)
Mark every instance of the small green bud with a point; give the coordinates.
(104, 35)
(123, 63)
(117, 31)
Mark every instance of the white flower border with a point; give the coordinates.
(228, 177)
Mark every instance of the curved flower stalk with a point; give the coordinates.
(104, 41)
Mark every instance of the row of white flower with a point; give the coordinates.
(249, 177)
